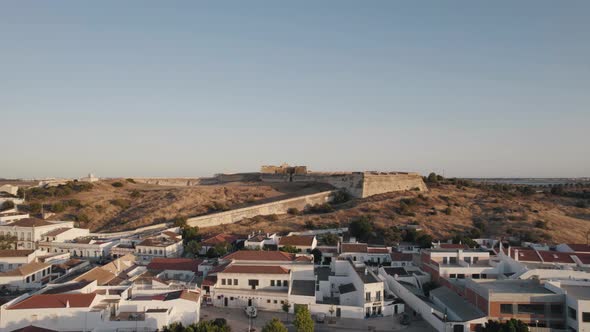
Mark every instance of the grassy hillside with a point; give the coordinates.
(448, 210)
(121, 204)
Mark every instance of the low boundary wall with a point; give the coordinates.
(278, 207)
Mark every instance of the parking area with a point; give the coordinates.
(238, 321)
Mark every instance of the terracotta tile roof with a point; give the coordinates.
(525, 255)
(179, 264)
(256, 255)
(255, 269)
(257, 238)
(102, 276)
(43, 301)
(377, 250)
(219, 239)
(453, 246)
(353, 247)
(584, 258)
(32, 328)
(578, 247)
(25, 269)
(56, 231)
(556, 257)
(30, 222)
(297, 240)
(401, 257)
(15, 253)
(209, 281)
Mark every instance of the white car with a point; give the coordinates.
(251, 311)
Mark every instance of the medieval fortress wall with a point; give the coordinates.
(358, 184)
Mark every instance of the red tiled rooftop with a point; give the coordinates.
(219, 239)
(297, 240)
(525, 255)
(578, 247)
(353, 247)
(30, 222)
(15, 253)
(377, 250)
(55, 301)
(401, 257)
(453, 246)
(180, 264)
(556, 257)
(255, 255)
(255, 269)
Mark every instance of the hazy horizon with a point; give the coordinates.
(183, 89)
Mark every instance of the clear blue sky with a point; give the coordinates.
(191, 88)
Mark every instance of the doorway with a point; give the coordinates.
(225, 301)
(249, 302)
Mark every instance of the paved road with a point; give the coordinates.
(238, 321)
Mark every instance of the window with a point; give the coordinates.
(285, 283)
(475, 276)
(368, 296)
(572, 313)
(235, 282)
(229, 281)
(272, 283)
(445, 260)
(253, 283)
(484, 276)
(467, 259)
(460, 276)
(223, 281)
(268, 301)
(278, 283)
(538, 309)
(475, 259)
(556, 309)
(231, 298)
(506, 309)
(452, 260)
(378, 295)
(10, 266)
(452, 276)
(586, 317)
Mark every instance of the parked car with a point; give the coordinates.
(320, 317)
(251, 311)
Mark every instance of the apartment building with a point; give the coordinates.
(87, 306)
(363, 253)
(29, 231)
(166, 244)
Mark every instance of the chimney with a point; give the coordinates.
(67, 303)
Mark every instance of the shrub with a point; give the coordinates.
(340, 197)
(272, 217)
(330, 239)
(582, 204)
(321, 208)
(117, 184)
(289, 249)
(303, 321)
(361, 227)
(217, 207)
(541, 224)
(274, 325)
(309, 224)
(122, 203)
(448, 211)
(130, 180)
(7, 205)
(57, 207)
(293, 211)
(135, 194)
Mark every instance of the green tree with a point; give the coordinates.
(512, 325)
(8, 242)
(7, 205)
(317, 255)
(330, 239)
(361, 227)
(432, 178)
(274, 325)
(192, 248)
(303, 321)
(190, 233)
(286, 306)
(289, 248)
